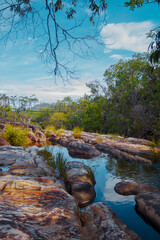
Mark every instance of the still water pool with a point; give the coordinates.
(108, 172)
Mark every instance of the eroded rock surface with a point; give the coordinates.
(81, 182)
(37, 137)
(122, 153)
(129, 188)
(3, 142)
(149, 206)
(100, 222)
(34, 203)
(83, 150)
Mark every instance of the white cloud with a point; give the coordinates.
(127, 36)
(118, 57)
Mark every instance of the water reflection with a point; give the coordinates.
(109, 171)
(139, 173)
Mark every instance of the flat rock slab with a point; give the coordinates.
(34, 203)
(82, 150)
(122, 153)
(149, 206)
(100, 222)
(129, 188)
(81, 182)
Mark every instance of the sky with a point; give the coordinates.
(23, 73)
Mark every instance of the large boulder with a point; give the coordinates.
(129, 188)
(81, 181)
(148, 205)
(100, 222)
(82, 150)
(34, 203)
(37, 137)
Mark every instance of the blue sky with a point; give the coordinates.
(23, 73)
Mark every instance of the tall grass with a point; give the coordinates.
(16, 136)
(77, 132)
(48, 156)
(61, 161)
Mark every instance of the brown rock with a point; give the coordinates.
(149, 206)
(82, 150)
(3, 142)
(129, 188)
(37, 137)
(121, 154)
(100, 222)
(33, 201)
(81, 182)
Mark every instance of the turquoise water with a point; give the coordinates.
(108, 172)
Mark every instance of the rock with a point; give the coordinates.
(148, 205)
(81, 182)
(3, 142)
(63, 141)
(35, 128)
(119, 154)
(54, 139)
(82, 150)
(129, 188)
(37, 137)
(34, 203)
(100, 222)
(139, 141)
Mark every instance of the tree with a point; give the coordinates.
(154, 46)
(57, 26)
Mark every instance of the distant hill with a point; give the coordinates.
(41, 105)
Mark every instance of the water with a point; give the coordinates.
(108, 172)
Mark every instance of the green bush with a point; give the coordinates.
(60, 132)
(15, 136)
(48, 156)
(49, 130)
(61, 165)
(77, 132)
(59, 162)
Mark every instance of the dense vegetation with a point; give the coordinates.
(127, 103)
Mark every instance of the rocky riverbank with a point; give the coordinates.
(91, 144)
(35, 204)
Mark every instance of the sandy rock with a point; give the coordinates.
(81, 182)
(129, 188)
(139, 141)
(83, 150)
(3, 142)
(54, 139)
(34, 203)
(37, 137)
(100, 222)
(119, 154)
(149, 206)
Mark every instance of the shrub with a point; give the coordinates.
(61, 165)
(113, 135)
(49, 130)
(77, 132)
(15, 136)
(98, 138)
(60, 132)
(48, 156)
(59, 162)
(90, 174)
